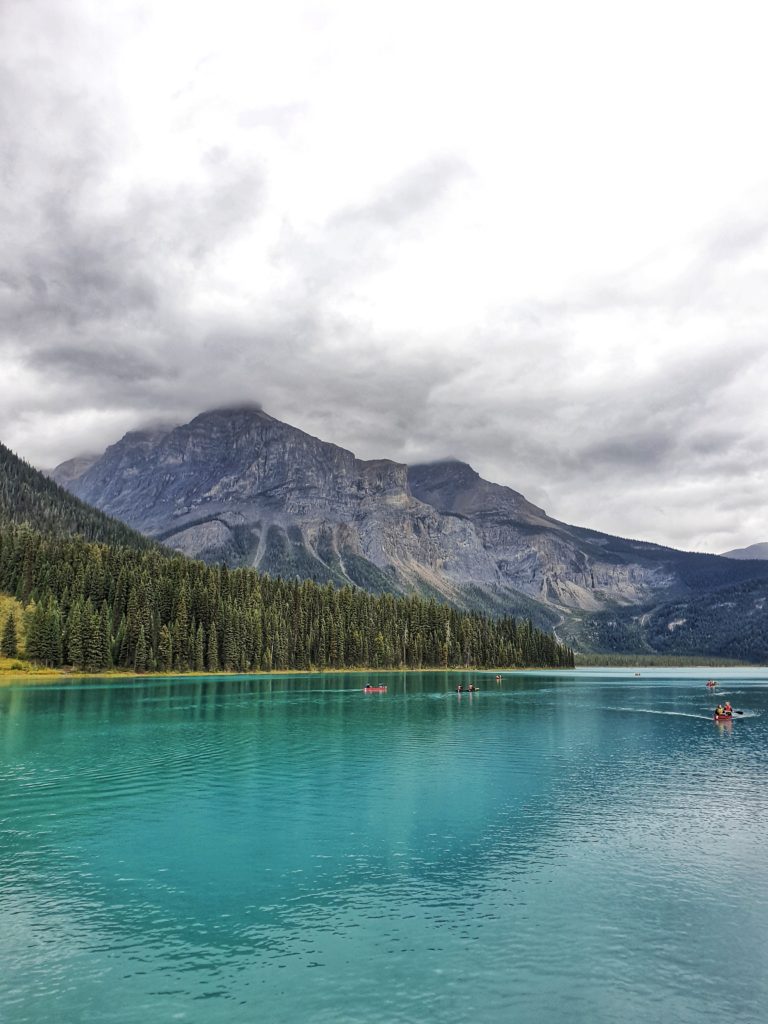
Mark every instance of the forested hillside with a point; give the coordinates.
(731, 622)
(94, 606)
(27, 496)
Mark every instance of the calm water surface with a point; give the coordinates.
(558, 848)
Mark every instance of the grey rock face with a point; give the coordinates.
(237, 485)
(67, 472)
(545, 559)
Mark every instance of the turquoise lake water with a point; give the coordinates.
(565, 847)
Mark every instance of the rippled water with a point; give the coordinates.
(561, 847)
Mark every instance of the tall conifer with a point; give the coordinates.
(9, 643)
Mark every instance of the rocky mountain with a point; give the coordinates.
(70, 470)
(753, 551)
(237, 485)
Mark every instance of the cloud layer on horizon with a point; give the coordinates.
(503, 248)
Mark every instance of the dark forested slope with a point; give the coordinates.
(27, 496)
(731, 622)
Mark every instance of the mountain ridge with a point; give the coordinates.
(237, 485)
(757, 551)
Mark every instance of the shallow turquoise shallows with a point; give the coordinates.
(564, 847)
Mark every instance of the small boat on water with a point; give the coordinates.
(723, 718)
(711, 684)
(374, 689)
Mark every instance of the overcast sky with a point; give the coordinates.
(530, 235)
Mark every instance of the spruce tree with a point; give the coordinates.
(140, 657)
(105, 634)
(213, 649)
(165, 650)
(199, 649)
(75, 649)
(9, 643)
(35, 623)
(92, 641)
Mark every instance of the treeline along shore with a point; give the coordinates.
(96, 606)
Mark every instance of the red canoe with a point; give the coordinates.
(723, 718)
(374, 689)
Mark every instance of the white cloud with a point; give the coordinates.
(533, 236)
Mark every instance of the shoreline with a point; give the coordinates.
(10, 677)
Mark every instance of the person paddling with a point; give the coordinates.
(727, 709)
(719, 711)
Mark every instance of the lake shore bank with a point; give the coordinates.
(48, 675)
(10, 677)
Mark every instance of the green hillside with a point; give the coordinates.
(28, 496)
(730, 622)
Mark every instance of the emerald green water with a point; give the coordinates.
(572, 847)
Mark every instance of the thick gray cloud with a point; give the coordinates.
(406, 249)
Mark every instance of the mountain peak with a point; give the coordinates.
(451, 485)
(236, 409)
(450, 466)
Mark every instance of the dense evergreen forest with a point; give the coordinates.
(730, 623)
(95, 606)
(28, 496)
(97, 596)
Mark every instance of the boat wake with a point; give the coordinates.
(655, 711)
(685, 714)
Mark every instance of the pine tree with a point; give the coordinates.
(140, 657)
(105, 634)
(199, 649)
(35, 623)
(92, 641)
(213, 649)
(164, 650)
(9, 644)
(75, 650)
(54, 645)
